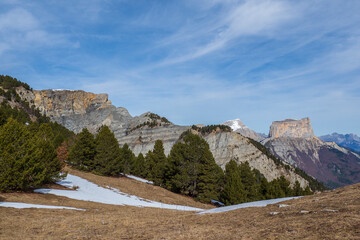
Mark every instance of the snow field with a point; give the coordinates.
(262, 203)
(88, 191)
(27, 205)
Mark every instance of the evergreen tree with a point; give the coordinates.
(192, 169)
(234, 190)
(14, 145)
(264, 189)
(285, 186)
(275, 189)
(248, 179)
(43, 155)
(298, 191)
(108, 154)
(127, 159)
(26, 160)
(82, 153)
(156, 161)
(139, 167)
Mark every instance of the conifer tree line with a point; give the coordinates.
(28, 148)
(33, 153)
(190, 169)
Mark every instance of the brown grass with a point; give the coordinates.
(102, 221)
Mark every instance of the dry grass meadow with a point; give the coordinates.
(101, 221)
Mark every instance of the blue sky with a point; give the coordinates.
(195, 61)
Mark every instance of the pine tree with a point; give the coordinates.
(82, 153)
(156, 161)
(285, 186)
(43, 155)
(275, 189)
(248, 179)
(14, 145)
(27, 160)
(234, 190)
(127, 159)
(139, 167)
(107, 160)
(298, 191)
(192, 169)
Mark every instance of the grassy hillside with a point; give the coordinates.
(102, 221)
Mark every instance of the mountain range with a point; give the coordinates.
(292, 141)
(349, 141)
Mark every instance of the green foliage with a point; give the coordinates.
(82, 153)
(155, 121)
(27, 160)
(6, 112)
(156, 161)
(154, 116)
(192, 169)
(234, 190)
(108, 154)
(248, 179)
(8, 82)
(139, 168)
(211, 128)
(127, 159)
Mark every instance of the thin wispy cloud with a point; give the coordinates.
(195, 61)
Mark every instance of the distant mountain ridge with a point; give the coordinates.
(78, 109)
(349, 141)
(294, 141)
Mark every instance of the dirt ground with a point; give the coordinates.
(329, 215)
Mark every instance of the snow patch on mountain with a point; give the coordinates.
(262, 203)
(27, 205)
(88, 191)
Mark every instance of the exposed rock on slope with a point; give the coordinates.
(291, 128)
(229, 145)
(237, 126)
(78, 109)
(294, 142)
(350, 141)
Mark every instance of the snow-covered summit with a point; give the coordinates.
(237, 126)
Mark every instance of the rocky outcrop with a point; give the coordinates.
(293, 141)
(292, 128)
(78, 109)
(229, 145)
(237, 126)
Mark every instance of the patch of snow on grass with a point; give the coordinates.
(139, 179)
(88, 191)
(27, 205)
(262, 203)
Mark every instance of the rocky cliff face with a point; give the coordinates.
(292, 128)
(237, 126)
(229, 145)
(78, 109)
(294, 142)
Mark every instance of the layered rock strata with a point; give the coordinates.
(78, 109)
(294, 142)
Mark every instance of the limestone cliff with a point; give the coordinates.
(229, 145)
(294, 142)
(292, 128)
(78, 109)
